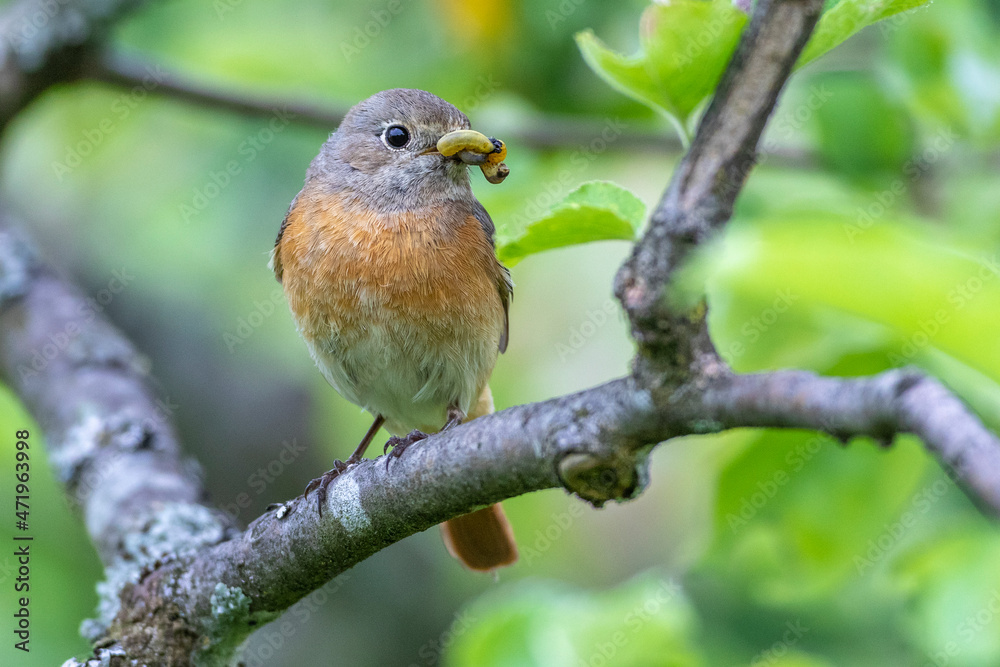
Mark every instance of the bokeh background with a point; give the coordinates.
(868, 238)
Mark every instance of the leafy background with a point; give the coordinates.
(868, 238)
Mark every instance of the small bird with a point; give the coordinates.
(388, 263)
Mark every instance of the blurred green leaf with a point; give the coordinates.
(953, 587)
(684, 48)
(862, 131)
(847, 18)
(797, 515)
(916, 284)
(645, 622)
(925, 288)
(949, 62)
(595, 211)
(794, 659)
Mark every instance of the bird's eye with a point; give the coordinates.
(396, 136)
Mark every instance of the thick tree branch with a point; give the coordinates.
(44, 42)
(700, 197)
(190, 583)
(587, 441)
(109, 440)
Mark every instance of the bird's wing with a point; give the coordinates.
(505, 286)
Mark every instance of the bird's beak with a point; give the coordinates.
(475, 148)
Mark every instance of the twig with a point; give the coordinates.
(539, 132)
(880, 407)
(131, 72)
(43, 42)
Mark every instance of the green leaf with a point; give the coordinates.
(684, 48)
(855, 105)
(646, 621)
(861, 268)
(847, 18)
(796, 514)
(953, 593)
(595, 211)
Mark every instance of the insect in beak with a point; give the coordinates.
(475, 148)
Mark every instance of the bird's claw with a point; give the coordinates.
(320, 483)
(399, 445)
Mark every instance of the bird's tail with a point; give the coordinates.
(482, 540)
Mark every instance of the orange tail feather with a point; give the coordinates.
(482, 540)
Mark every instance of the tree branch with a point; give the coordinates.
(541, 132)
(132, 72)
(190, 584)
(43, 42)
(587, 441)
(881, 406)
(109, 440)
(699, 200)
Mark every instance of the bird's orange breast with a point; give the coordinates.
(347, 267)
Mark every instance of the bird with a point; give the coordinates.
(388, 263)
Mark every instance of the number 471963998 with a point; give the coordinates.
(22, 473)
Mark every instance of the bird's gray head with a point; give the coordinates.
(386, 152)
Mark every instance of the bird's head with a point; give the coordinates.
(405, 147)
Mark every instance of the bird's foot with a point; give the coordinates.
(320, 483)
(399, 445)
